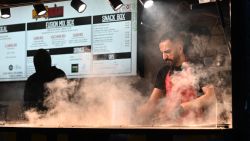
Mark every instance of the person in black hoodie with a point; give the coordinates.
(35, 91)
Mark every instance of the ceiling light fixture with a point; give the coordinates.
(40, 9)
(147, 3)
(116, 4)
(78, 5)
(5, 13)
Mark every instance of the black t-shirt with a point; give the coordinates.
(34, 93)
(161, 76)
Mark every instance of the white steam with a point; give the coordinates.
(97, 102)
(105, 102)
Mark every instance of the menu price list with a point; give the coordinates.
(12, 59)
(59, 33)
(112, 33)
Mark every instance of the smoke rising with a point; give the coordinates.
(96, 102)
(105, 102)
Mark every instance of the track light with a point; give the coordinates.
(147, 3)
(78, 5)
(5, 13)
(116, 4)
(40, 9)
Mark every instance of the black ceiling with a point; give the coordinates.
(16, 3)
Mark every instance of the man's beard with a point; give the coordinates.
(172, 62)
(169, 62)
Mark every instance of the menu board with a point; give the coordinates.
(71, 42)
(112, 43)
(89, 44)
(12, 58)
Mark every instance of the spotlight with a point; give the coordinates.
(116, 4)
(147, 3)
(5, 13)
(40, 9)
(78, 5)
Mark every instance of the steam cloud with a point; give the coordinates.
(105, 102)
(96, 102)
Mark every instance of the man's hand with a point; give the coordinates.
(208, 90)
(170, 114)
(205, 100)
(147, 110)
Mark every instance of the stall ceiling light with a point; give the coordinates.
(116, 4)
(5, 13)
(40, 9)
(206, 1)
(78, 5)
(147, 3)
